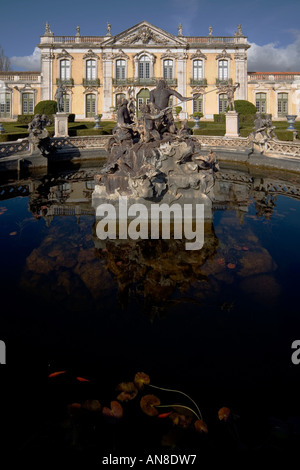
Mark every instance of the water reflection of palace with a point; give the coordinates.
(157, 274)
(70, 194)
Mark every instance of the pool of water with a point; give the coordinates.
(216, 324)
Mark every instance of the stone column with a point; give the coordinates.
(232, 124)
(181, 84)
(61, 125)
(46, 73)
(241, 75)
(107, 62)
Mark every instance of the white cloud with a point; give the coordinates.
(273, 58)
(27, 62)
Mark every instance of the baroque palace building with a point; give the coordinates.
(96, 71)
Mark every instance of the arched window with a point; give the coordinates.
(223, 70)
(144, 67)
(91, 69)
(282, 104)
(120, 69)
(197, 69)
(198, 104)
(27, 103)
(223, 103)
(90, 105)
(65, 69)
(261, 102)
(168, 69)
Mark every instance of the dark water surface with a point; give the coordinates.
(217, 324)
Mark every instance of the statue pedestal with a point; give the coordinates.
(61, 125)
(232, 124)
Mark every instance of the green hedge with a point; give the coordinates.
(284, 135)
(217, 132)
(10, 137)
(24, 118)
(219, 118)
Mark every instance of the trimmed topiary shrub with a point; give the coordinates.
(245, 107)
(48, 107)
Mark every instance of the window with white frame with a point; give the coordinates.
(65, 69)
(197, 69)
(90, 69)
(144, 67)
(120, 69)
(261, 102)
(168, 69)
(223, 69)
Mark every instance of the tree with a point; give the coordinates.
(4, 61)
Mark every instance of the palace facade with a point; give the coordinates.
(96, 71)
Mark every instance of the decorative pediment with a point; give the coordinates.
(198, 55)
(169, 54)
(224, 55)
(90, 55)
(27, 88)
(64, 55)
(198, 89)
(147, 34)
(120, 55)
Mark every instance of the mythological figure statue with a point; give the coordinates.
(229, 90)
(59, 96)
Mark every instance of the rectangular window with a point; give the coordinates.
(4, 104)
(198, 105)
(64, 69)
(282, 104)
(91, 69)
(223, 103)
(197, 70)
(223, 70)
(27, 103)
(120, 70)
(261, 102)
(168, 69)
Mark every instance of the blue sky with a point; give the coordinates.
(272, 27)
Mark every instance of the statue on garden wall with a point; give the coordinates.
(263, 131)
(39, 136)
